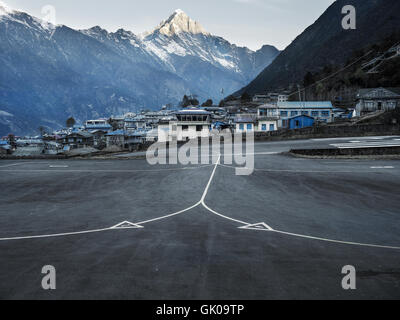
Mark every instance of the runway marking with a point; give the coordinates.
(387, 167)
(258, 226)
(127, 225)
(169, 215)
(301, 171)
(108, 171)
(21, 163)
(56, 235)
(247, 226)
(58, 166)
(336, 241)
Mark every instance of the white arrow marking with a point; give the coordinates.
(127, 225)
(262, 226)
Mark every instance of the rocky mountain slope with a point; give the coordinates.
(326, 43)
(52, 72)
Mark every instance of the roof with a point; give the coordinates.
(363, 92)
(245, 120)
(305, 105)
(116, 133)
(193, 111)
(301, 116)
(3, 143)
(81, 133)
(97, 126)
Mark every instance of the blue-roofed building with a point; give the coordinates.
(4, 147)
(100, 124)
(301, 121)
(319, 110)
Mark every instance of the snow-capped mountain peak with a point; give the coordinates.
(180, 22)
(4, 9)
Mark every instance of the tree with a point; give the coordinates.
(308, 79)
(189, 101)
(208, 103)
(185, 101)
(42, 131)
(70, 122)
(245, 97)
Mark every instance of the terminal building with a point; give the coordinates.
(321, 111)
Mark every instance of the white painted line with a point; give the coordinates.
(58, 166)
(211, 179)
(108, 171)
(262, 226)
(336, 241)
(299, 171)
(127, 225)
(202, 201)
(56, 235)
(387, 167)
(169, 215)
(369, 146)
(20, 164)
(222, 216)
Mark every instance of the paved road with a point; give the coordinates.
(200, 231)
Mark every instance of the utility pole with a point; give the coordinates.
(302, 106)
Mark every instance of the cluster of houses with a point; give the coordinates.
(265, 113)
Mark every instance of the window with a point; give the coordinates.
(264, 127)
(249, 127)
(241, 126)
(271, 127)
(185, 128)
(199, 128)
(325, 113)
(294, 113)
(315, 113)
(304, 113)
(284, 113)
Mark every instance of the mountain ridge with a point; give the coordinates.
(326, 43)
(53, 72)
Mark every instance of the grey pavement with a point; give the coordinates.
(186, 240)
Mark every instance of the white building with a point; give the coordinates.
(320, 110)
(256, 123)
(192, 123)
(189, 124)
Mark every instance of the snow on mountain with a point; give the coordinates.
(52, 72)
(4, 9)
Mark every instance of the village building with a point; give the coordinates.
(377, 99)
(77, 139)
(100, 124)
(116, 139)
(301, 121)
(321, 111)
(259, 122)
(191, 123)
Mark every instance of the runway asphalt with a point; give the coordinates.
(123, 229)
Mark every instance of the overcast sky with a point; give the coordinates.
(250, 23)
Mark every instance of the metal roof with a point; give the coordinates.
(193, 111)
(305, 105)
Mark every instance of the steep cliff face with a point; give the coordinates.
(327, 43)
